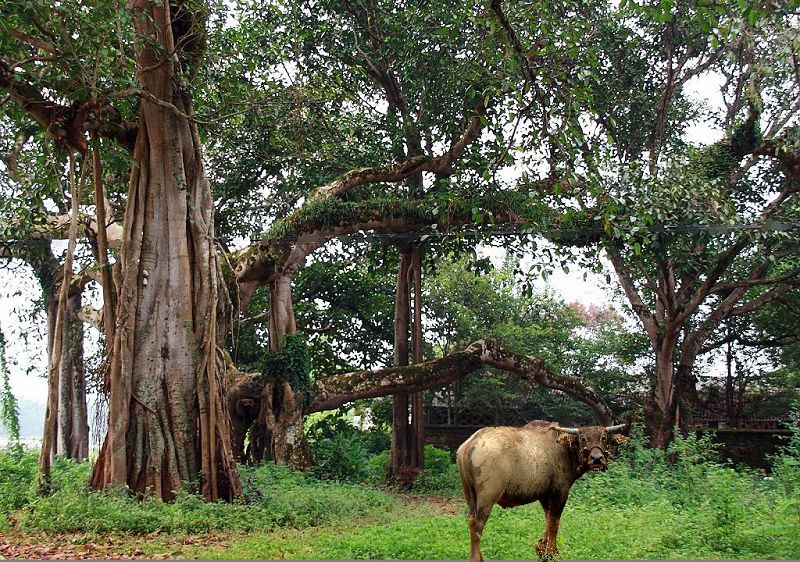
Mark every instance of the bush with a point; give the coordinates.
(342, 458)
(376, 468)
(440, 475)
(341, 450)
(17, 475)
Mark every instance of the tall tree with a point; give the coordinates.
(696, 235)
(168, 420)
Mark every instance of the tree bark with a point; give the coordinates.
(73, 423)
(278, 431)
(400, 450)
(417, 428)
(168, 418)
(334, 391)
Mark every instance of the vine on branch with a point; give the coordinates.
(291, 364)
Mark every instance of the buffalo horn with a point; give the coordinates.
(572, 430)
(615, 427)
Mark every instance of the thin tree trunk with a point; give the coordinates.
(417, 430)
(109, 296)
(168, 418)
(399, 456)
(50, 435)
(73, 424)
(278, 433)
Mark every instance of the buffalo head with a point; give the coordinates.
(594, 444)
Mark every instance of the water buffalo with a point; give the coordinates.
(513, 466)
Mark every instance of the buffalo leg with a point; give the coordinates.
(477, 521)
(547, 546)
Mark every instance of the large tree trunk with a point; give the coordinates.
(168, 418)
(662, 407)
(675, 393)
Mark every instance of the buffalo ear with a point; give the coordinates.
(618, 439)
(567, 439)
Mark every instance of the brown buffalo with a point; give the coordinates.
(513, 466)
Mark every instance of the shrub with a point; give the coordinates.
(17, 474)
(342, 458)
(440, 475)
(786, 465)
(376, 468)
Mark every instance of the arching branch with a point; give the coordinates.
(332, 392)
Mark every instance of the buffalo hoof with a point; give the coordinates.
(545, 551)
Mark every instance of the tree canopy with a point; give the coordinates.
(258, 168)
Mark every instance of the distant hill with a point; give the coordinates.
(31, 419)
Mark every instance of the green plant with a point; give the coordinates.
(342, 457)
(9, 409)
(17, 472)
(786, 465)
(291, 364)
(440, 475)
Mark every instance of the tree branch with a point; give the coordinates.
(442, 164)
(332, 392)
(647, 318)
(761, 300)
(758, 342)
(33, 41)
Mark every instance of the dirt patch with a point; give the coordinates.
(438, 505)
(63, 547)
(85, 547)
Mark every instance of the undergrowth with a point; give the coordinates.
(274, 496)
(643, 507)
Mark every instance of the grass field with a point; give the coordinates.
(642, 508)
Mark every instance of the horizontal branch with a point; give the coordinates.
(294, 238)
(793, 277)
(778, 341)
(442, 164)
(332, 392)
(56, 228)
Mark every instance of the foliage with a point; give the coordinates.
(588, 342)
(341, 450)
(341, 457)
(345, 306)
(9, 408)
(439, 477)
(291, 364)
(274, 497)
(17, 472)
(786, 465)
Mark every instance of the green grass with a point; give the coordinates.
(641, 508)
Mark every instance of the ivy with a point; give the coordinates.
(9, 408)
(291, 364)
